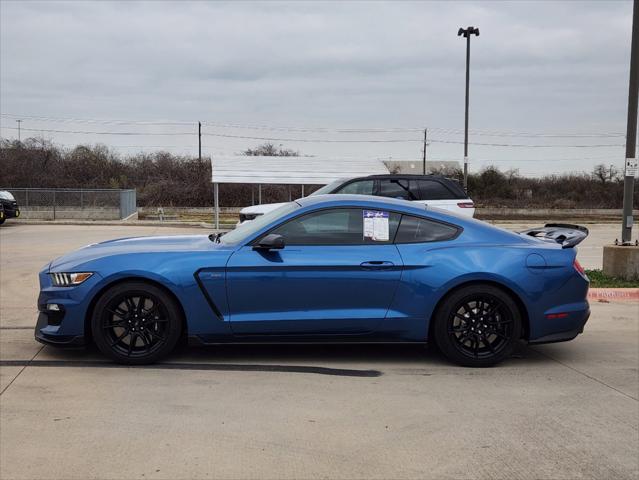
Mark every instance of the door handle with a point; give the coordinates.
(376, 265)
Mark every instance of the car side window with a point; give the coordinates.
(396, 188)
(338, 226)
(417, 230)
(363, 187)
(433, 190)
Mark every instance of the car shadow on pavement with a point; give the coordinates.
(354, 360)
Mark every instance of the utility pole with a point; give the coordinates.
(424, 158)
(19, 122)
(467, 33)
(199, 141)
(631, 132)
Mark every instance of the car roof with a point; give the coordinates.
(450, 183)
(400, 176)
(364, 200)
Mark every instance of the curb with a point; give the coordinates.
(613, 294)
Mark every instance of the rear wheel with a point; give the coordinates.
(477, 326)
(136, 323)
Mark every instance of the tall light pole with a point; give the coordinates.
(424, 157)
(467, 33)
(199, 141)
(631, 133)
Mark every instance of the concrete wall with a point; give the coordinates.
(550, 213)
(70, 213)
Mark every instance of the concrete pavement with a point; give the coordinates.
(567, 410)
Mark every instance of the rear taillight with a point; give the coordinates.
(466, 205)
(579, 268)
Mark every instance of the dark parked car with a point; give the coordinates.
(9, 206)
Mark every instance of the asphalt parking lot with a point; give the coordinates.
(555, 411)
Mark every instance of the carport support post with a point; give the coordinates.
(216, 203)
(259, 194)
(631, 132)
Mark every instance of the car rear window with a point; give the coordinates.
(416, 230)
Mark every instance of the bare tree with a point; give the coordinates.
(270, 150)
(601, 173)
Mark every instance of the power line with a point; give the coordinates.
(306, 140)
(530, 145)
(96, 121)
(488, 133)
(526, 160)
(82, 132)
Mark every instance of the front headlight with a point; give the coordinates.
(69, 279)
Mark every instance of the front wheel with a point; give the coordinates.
(477, 326)
(136, 323)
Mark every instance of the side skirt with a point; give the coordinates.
(196, 340)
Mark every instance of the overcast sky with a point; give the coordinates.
(537, 67)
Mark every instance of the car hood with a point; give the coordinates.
(261, 209)
(133, 245)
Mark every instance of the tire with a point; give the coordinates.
(2, 219)
(136, 323)
(477, 326)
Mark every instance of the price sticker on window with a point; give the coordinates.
(376, 225)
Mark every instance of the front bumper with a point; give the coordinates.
(45, 335)
(11, 210)
(66, 325)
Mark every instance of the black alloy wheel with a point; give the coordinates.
(478, 326)
(136, 323)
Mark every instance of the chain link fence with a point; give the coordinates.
(75, 204)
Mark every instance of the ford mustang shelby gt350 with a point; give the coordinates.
(328, 268)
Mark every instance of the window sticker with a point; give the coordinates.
(376, 225)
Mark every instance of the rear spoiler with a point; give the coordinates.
(565, 234)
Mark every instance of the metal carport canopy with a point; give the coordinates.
(286, 170)
(290, 170)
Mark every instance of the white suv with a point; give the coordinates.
(431, 190)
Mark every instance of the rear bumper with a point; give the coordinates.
(577, 324)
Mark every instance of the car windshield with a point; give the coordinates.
(6, 195)
(328, 188)
(249, 228)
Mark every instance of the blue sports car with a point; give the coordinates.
(328, 268)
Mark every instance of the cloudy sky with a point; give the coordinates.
(547, 78)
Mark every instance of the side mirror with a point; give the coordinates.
(272, 241)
